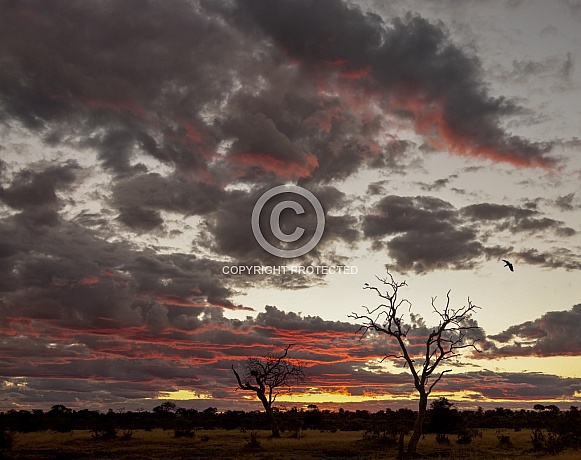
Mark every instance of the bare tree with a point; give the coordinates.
(441, 344)
(265, 376)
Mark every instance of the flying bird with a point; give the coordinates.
(508, 264)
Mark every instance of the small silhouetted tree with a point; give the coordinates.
(265, 376)
(444, 419)
(443, 343)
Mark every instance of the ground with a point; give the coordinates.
(222, 444)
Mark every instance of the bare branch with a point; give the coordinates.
(443, 343)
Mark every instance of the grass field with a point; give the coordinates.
(222, 444)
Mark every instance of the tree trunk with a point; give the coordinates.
(417, 433)
(400, 449)
(270, 416)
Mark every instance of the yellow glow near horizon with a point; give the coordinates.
(308, 398)
(464, 397)
(181, 395)
(563, 366)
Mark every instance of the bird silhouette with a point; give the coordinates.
(508, 264)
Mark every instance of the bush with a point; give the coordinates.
(503, 440)
(127, 435)
(105, 433)
(442, 438)
(538, 440)
(184, 433)
(253, 441)
(465, 437)
(6, 440)
(385, 435)
(555, 442)
(296, 432)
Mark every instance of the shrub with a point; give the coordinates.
(184, 433)
(127, 435)
(6, 440)
(465, 437)
(538, 440)
(503, 440)
(253, 441)
(442, 438)
(296, 432)
(555, 442)
(109, 432)
(385, 435)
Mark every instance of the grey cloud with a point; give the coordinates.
(517, 219)
(230, 232)
(290, 320)
(139, 218)
(429, 233)
(407, 55)
(38, 188)
(491, 211)
(437, 184)
(515, 386)
(556, 258)
(556, 333)
(68, 275)
(422, 252)
(565, 202)
(34, 192)
(426, 233)
(395, 214)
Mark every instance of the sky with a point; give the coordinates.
(136, 137)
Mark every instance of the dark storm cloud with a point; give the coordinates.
(556, 333)
(34, 192)
(425, 233)
(81, 76)
(126, 363)
(38, 188)
(229, 109)
(289, 320)
(230, 232)
(222, 105)
(408, 60)
(429, 234)
(141, 198)
(173, 85)
(66, 275)
(394, 214)
(126, 366)
(455, 248)
(139, 218)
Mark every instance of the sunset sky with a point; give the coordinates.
(136, 137)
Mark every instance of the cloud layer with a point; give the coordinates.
(133, 152)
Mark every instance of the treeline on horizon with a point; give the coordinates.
(443, 417)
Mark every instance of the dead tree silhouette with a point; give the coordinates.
(441, 344)
(265, 375)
